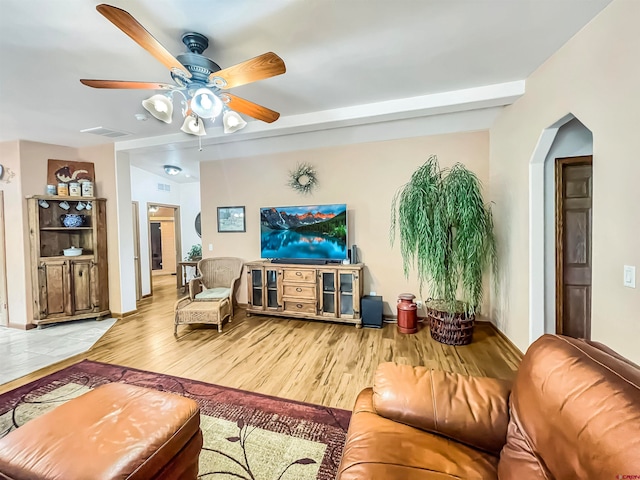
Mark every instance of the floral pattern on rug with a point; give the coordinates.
(246, 435)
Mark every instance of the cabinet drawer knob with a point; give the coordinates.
(299, 305)
(299, 274)
(298, 289)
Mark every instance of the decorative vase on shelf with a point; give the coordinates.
(72, 220)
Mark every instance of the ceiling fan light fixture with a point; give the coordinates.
(193, 126)
(172, 170)
(206, 104)
(232, 121)
(160, 106)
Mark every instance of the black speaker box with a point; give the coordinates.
(371, 311)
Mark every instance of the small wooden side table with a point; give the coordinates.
(188, 311)
(181, 277)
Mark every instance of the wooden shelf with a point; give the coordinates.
(68, 199)
(68, 287)
(86, 256)
(56, 229)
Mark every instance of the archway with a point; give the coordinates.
(566, 137)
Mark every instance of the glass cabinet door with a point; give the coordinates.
(328, 293)
(256, 287)
(346, 294)
(272, 288)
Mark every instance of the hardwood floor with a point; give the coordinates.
(316, 362)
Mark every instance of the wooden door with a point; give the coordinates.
(82, 286)
(574, 179)
(136, 249)
(169, 257)
(54, 289)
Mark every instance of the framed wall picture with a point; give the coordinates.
(231, 219)
(69, 171)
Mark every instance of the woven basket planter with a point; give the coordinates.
(451, 328)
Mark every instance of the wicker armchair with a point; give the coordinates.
(217, 279)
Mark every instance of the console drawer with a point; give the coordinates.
(300, 307)
(306, 276)
(299, 291)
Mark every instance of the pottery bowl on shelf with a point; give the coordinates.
(72, 251)
(71, 220)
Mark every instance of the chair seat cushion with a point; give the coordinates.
(214, 293)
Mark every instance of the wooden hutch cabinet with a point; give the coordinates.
(329, 292)
(68, 287)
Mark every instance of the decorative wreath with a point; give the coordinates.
(303, 178)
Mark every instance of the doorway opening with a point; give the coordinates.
(567, 137)
(165, 245)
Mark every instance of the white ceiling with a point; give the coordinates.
(339, 54)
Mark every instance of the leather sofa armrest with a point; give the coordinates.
(471, 410)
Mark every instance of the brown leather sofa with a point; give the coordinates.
(573, 412)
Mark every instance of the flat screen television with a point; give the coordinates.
(311, 232)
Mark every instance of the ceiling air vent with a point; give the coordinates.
(105, 132)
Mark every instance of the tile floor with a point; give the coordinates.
(25, 351)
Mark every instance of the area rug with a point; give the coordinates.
(246, 435)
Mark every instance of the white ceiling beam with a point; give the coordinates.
(426, 105)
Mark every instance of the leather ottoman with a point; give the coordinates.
(115, 431)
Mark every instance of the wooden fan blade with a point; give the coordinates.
(129, 25)
(252, 109)
(258, 68)
(126, 84)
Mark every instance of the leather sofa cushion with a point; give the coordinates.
(471, 410)
(575, 413)
(379, 448)
(116, 431)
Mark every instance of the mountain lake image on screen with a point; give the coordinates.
(304, 232)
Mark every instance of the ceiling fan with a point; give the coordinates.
(198, 79)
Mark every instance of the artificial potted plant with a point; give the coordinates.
(194, 253)
(446, 233)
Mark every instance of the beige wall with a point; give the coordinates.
(15, 241)
(29, 160)
(107, 186)
(364, 176)
(595, 77)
